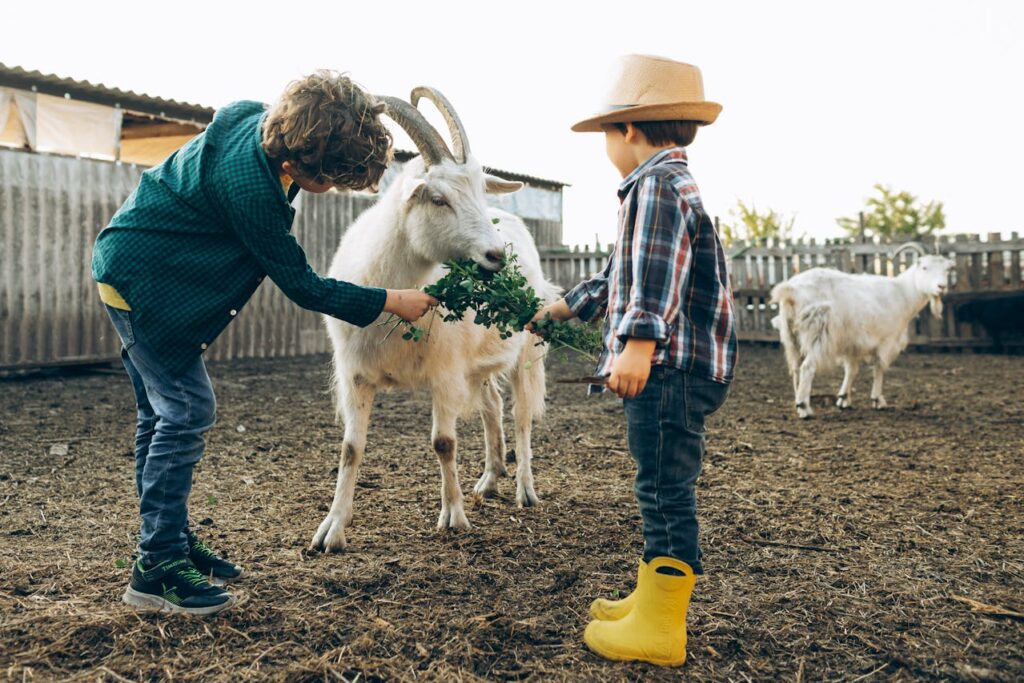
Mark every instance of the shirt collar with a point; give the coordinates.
(671, 154)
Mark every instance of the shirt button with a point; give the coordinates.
(233, 312)
(202, 346)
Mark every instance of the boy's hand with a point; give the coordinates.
(558, 311)
(408, 304)
(631, 369)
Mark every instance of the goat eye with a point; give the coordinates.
(438, 201)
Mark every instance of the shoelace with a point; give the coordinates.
(192, 575)
(202, 548)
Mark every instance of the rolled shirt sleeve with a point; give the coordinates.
(660, 257)
(263, 228)
(589, 299)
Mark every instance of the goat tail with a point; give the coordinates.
(528, 382)
(814, 333)
(784, 322)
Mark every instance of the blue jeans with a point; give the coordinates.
(174, 412)
(666, 438)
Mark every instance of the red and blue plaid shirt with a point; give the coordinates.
(666, 279)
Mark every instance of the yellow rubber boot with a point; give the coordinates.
(655, 629)
(610, 610)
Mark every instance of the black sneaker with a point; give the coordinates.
(218, 570)
(175, 586)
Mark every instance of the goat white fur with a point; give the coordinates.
(430, 214)
(826, 316)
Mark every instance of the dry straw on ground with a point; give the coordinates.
(861, 546)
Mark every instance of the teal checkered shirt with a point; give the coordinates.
(194, 240)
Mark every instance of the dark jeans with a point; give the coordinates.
(666, 438)
(174, 411)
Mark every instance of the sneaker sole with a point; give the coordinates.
(155, 603)
(225, 580)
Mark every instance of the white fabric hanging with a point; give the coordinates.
(66, 126)
(26, 105)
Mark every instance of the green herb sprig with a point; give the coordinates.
(503, 300)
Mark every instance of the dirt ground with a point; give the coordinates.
(843, 548)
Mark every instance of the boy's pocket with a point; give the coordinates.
(123, 324)
(703, 398)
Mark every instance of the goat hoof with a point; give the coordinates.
(487, 486)
(527, 498)
(329, 536)
(843, 403)
(878, 403)
(453, 519)
(804, 414)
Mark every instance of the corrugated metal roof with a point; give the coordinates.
(50, 84)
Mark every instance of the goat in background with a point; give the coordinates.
(827, 316)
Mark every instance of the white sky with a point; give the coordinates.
(821, 100)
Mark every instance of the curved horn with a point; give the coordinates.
(460, 141)
(916, 246)
(428, 141)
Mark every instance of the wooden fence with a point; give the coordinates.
(988, 264)
(52, 207)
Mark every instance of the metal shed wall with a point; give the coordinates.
(52, 208)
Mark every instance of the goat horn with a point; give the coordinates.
(428, 141)
(460, 141)
(916, 246)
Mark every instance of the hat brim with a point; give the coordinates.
(704, 113)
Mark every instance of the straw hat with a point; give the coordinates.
(647, 88)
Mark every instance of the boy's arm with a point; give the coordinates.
(586, 301)
(589, 299)
(263, 230)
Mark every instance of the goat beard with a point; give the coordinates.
(935, 304)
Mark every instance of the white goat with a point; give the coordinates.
(435, 211)
(827, 316)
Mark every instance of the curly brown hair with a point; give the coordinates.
(329, 128)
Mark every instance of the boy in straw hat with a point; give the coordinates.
(670, 346)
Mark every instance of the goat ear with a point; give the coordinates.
(495, 185)
(412, 188)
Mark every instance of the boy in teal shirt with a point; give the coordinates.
(180, 259)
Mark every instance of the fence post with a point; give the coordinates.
(996, 269)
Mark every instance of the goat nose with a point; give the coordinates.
(495, 256)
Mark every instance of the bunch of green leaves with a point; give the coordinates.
(503, 300)
(557, 334)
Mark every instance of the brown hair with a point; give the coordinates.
(679, 133)
(328, 127)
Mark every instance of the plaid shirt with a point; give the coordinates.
(191, 244)
(666, 279)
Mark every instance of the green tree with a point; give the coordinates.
(896, 215)
(748, 224)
